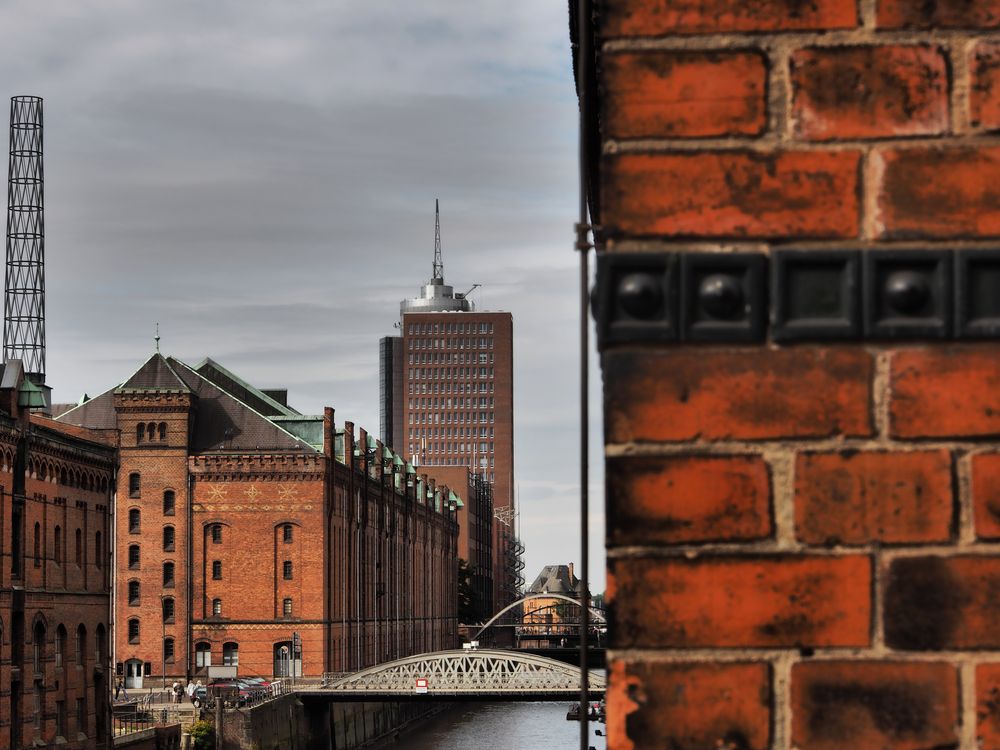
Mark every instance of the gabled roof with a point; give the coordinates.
(237, 387)
(555, 579)
(222, 421)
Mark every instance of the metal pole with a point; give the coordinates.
(583, 248)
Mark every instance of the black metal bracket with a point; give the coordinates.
(813, 295)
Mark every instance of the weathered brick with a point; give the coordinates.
(751, 601)
(988, 706)
(687, 706)
(858, 498)
(984, 93)
(942, 603)
(673, 499)
(750, 393)
(986, 495)
(666, 93)
(737, 194)
(869, 92)
(655, 17)
(874, 705)
(946, 14)
(938, 192)
(951, 391)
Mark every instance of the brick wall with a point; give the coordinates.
(801, 533)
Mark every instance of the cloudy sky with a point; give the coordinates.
(259, 178)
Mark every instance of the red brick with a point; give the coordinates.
(687, 706)
(942, 603)
(986, 494)
(945, 392)
(874, 705)
(753, 602)
(984, 94)
(735, 194)
(939, 192)
(655, 17)
(869, 92)
(748, 393)
(941, 14)
(662, 94)
(988, 706)
(675, 499)
(858, 498)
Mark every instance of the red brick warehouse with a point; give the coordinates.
(56, 484)
(798, 306)
(242, 522)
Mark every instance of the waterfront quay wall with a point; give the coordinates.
(287, 723)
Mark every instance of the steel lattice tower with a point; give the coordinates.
(438, 264)
(24, 297)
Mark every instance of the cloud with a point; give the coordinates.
(259, 179)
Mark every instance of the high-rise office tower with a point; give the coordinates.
(447, 398)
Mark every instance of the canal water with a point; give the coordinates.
(500, 726)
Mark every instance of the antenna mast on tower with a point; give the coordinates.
(438, 263)
(24, 290)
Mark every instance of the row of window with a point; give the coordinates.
(419, 416)
(449, 358)
(80, 555)
(80, 646)
(458, 402)
(169, 539)
(450, 432)
(134, 626)
(148, 432)
(448, 373)
(424, 448)
(422, 329)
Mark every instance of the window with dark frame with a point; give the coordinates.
(133, 484)
(134, 592)
(286, 532)
(133, 631)
(168, 609)
(134, 518)
(168, 650)
(217, 607)
(168, 575)
(168, 538)
(286, 607)
(286, 570)
(168, 502)
(133, 556)
(217, 570)
(216, 533)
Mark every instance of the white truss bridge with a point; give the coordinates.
(463, 673)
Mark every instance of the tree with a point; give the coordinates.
(203, 735)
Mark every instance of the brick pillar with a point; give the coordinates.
(798, 304)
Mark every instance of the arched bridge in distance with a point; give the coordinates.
(461, 674)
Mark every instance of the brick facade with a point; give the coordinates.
(238, 531)
(56, 485)
(801, 535)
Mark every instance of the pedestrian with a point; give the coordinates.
(190, 691)
(118, 687)
(175, 692)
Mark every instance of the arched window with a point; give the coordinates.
(81, 645)
(38, 545)
(168, 650)
(58, 544)
(133, 630)
(203, 654)
(133, 556)
(140, 432)
(230, 654)
(134, 484)
(168, 575)
(134, 590)
(151, 431)
(162, 429)
(168, 538)
(38, 646)
(216, 533)
(168, 503)
(60, 644)
(286, 570)
(217, 606)
(168, 609)
(79, 548)
(286, 532)
(134, 518)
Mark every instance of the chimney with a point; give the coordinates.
(572, 578)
